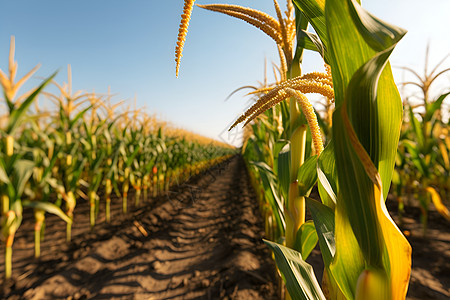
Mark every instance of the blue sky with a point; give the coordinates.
(129, 46)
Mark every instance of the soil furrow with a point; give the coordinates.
(202, 240)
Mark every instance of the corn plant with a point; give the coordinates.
(128, 151)
(42, 186)
(15, 168)
(263, 143)
(94, 168)
(47, 159)
(424, 156)
(365, 254)
(71, 163)
(111, 147)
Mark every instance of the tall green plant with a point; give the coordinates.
(365, 254)
(15, 168)
(424, 155)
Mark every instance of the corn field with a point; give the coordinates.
(339, 181)
(50, 160)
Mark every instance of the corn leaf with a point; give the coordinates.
(324, 221)
(416, 157)
(440, 207)
(17, 115)
(78, 116)
(269, 184)
(284, 163)
(297, 274)
(326, 173)
(417, 127)
(129, 159)
(22, 171)
(307, 175)
(366, 129)
(311, 41)
(48, 207)
(306, 239)
(314, 11)
(444, 154)
(278, 146)
(434, 106)
(3, 176)
(378, 34)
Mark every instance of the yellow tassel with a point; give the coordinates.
(182, 31)
(311, 118)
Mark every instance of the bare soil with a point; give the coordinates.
(430, 275)
(201, 240)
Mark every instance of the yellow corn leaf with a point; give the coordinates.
(398, 248)
(440, 207)
(444, 153)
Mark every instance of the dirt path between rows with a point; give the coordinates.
(201, 241)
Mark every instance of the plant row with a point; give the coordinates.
(81, 149)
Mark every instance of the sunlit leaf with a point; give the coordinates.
(306, 239)
(298, 275)
(440, 207)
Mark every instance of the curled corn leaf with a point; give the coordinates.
(440, 207)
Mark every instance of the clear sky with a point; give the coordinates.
(129, 46)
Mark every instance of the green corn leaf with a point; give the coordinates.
(327, 176)
(10, 104)
(96, 164)
(132, 156)
(271, 194)
(278, 146)
(48, 207)
(314, 11)
(115, 158)
(22, 171)
(301, 23)
(323, 217)
(307, 175)
(78, 116)
(366, 129)
(3, 176)
(284, 163)
(311, 41)
(417, 159)
(297, 274)
(434, 106)
(17, 115)
(417, 127)
(378, 34)
(306, 239)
